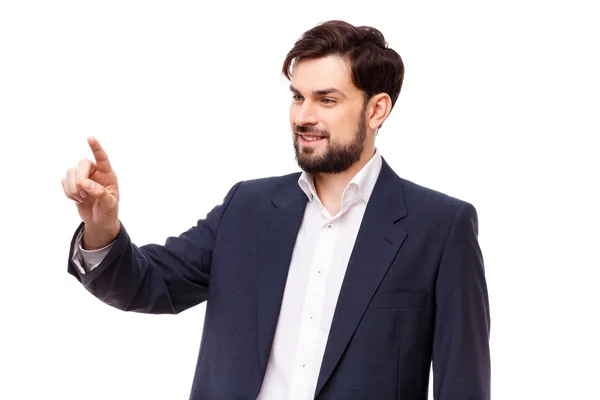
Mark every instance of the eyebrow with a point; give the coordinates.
(320, 92)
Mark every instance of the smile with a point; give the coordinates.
(310, 140)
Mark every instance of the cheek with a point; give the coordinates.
(342, 132)
(346, 126)
(292, 117)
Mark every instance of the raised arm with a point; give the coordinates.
(153, 278)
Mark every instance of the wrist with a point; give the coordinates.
(96, 237)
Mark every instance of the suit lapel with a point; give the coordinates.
(379, 239)
(275, 247)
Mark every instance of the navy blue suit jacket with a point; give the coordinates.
(414, 292)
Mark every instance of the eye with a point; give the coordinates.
(329, 101)
(297, 97)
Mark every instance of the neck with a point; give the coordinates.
(330, 187)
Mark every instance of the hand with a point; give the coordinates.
(94, 189)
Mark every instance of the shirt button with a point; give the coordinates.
(329, 226)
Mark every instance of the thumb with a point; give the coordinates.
(99, 192)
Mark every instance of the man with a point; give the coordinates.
(341, 282)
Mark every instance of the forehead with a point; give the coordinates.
(321, 73)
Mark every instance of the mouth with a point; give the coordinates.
(310, 140)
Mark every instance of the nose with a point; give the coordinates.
(305, 114)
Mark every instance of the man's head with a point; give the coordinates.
(345, 81)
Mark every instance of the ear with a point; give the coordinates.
(380, 106)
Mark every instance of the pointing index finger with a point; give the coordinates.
(102, 162)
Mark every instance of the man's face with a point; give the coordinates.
(327, 116)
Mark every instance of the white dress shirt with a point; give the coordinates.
(87, 260)
(318, 265)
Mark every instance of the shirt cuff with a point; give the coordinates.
(87, 260)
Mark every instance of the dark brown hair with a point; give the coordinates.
(375, 67)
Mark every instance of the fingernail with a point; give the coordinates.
(88, 185)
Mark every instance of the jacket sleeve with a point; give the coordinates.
(461, 355)
(156, 279)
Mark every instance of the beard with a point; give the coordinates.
(336, 157)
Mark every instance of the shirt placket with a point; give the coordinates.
(305, 366)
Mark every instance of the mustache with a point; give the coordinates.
(311, 129)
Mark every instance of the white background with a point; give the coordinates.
(500, 107)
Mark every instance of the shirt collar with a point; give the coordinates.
(361, 185)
